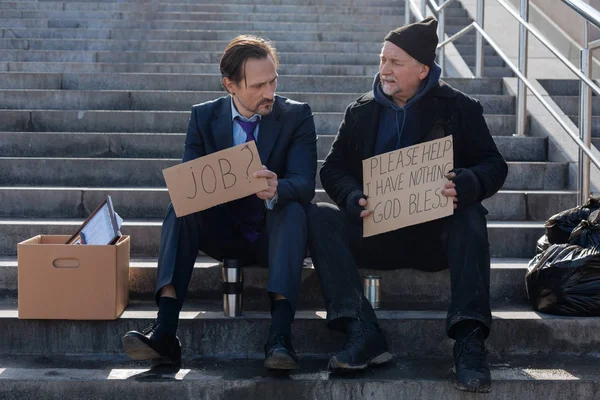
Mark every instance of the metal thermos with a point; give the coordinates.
(372, 290)
(233, 288)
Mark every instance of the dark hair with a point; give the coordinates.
(239, 50)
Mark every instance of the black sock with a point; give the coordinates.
(168, 314)
(463, 328)
(282, 317)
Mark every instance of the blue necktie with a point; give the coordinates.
(249, 210)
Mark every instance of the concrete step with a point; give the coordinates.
(468, 50)
(357, 3)
(79, 202)
(147, 172)
(178, 56)
(401, 289)
(160, 121)
(489, 61)
(561, 87)
(194, 33)
(332, 101)
(595, 124)
(211, 82)
(204, 332)
(127, 145)
(213, 8)
(115, 378)
(508, 239)
(110, 17)
(182, 45)
(570, 104)
(180, 68)
(231, 26)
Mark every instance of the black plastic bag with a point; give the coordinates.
(565, 280)
(542, 244)
(587, 233)
(560, 226)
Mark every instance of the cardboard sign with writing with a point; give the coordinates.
(404, 186)
(214, 179)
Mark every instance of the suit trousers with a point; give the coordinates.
(459, 243)
(281, 247)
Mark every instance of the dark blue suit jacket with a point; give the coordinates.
(287, 142)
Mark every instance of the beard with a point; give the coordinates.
(389, 88)
(264, 108)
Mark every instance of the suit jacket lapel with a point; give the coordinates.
(268, 132)
(222, 126)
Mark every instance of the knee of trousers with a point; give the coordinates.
(323, 218)
(288, 212)
(470, 220)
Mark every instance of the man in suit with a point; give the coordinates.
(409, 105)
(268, 228)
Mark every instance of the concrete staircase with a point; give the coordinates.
(565, 93)
(94, 100)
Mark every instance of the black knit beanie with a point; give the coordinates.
(418, 39)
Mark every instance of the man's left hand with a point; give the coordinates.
(450, 189)
(271, 176)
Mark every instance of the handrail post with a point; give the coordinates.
(424, 8)
(441, 29)
(585, 118)
(522, 90)
(479, 40)
(406, 12)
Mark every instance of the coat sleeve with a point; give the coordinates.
(298, 182)
(336, 174)
(484, 158)
(194, 144)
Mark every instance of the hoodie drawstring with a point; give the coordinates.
(398, 128)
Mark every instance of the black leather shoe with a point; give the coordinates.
(470, 366)
(365, 345)
(279, 353)
(153, 344)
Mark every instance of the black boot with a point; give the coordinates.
(470, 366)
(279, 353)
(154, 343)
(158, 342)
(365, 345)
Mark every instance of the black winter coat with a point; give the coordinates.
(442, 111)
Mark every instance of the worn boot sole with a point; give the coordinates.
(474, 387)
(138, 350)
(280, 361)
(382, 358)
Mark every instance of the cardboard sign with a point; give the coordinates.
(404, 186)
(214, 179)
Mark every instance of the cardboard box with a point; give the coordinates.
(78, 282)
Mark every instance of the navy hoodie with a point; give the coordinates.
(397, 123)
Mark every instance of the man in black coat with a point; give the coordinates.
(409, 105)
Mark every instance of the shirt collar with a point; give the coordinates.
(235, 113)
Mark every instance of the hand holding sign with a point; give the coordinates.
(215, 179)
(408, 186)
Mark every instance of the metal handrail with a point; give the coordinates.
(583, 139)
(585, 10)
